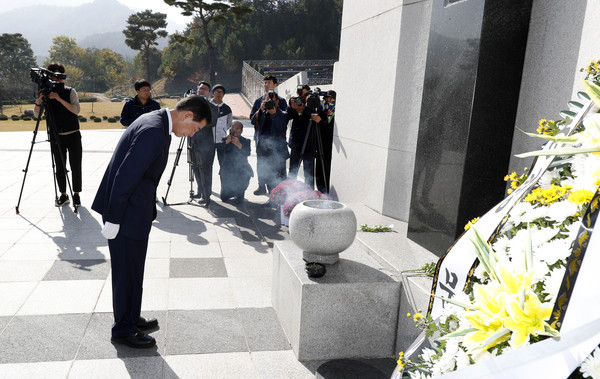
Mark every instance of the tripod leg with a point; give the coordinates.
(35, 131)
(164, 199)
(320, 146)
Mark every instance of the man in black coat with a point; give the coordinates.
(142, 103)
(235, 171)
(126, 201)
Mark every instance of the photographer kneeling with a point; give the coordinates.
(64, 107)
(235, 171)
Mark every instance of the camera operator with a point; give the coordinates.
(140, 104)
(271, 148)
(234, 170)
(321, 179)
(302, 136)
(258, 111)
(64, 107)
(203, 151)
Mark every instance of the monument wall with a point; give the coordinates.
(563, 37)
(379, 81)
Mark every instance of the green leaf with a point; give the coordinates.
(484, 252)
(558, 139)
(583, 96)
(458, 333)
(563, 151)
(575, 104)
(593, 91)
(550, 331)
(493, 337)
(455, 302)
(566, 114)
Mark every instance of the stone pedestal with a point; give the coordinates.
(351, 312)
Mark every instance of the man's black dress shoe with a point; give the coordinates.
(138, 340)
(147, 323)
(260, 191)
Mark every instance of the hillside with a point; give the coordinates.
(98, 24)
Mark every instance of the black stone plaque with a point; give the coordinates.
(471, 90)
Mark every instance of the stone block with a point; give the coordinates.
(351, 312)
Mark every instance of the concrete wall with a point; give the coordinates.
(563, 37)
(379, 81)
(252, 83)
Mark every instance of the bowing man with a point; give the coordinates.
(126, 201)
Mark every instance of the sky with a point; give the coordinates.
(176, 22)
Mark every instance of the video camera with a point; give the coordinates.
(189, 93)
(44, 79)
(270, 103)
(313, 99)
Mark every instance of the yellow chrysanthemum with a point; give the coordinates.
(417, 317)
(400, 360)
(548, 195)
(580, 197)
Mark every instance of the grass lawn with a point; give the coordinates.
(98, 109)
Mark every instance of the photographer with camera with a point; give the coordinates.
(259, 109)
(271, 148)
(323, 163)
(234, 170)
(302, 138)
(63, 104)
(140, 104)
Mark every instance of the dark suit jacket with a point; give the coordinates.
(127, 192)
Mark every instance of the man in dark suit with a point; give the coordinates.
(126, 201)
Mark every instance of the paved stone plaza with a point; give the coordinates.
(207, 280)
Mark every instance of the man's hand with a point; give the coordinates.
(236, 142)
(110, 230)
(315, 117)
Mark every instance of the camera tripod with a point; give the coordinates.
(53, 138)
(190, 171)
(311, 125)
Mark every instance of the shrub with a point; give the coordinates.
(112, 120)
(92, 117)
(3, 117)
(82, 119)
(97, 119)
(27, 118)
(15, 117)
(104, 117)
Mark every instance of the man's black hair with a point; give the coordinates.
(205, 83)
(219, 86)
(198, 105)
(56, 67)
(270, 77)
(141, 83)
